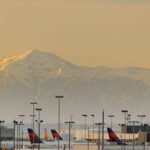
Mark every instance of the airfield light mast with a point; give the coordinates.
(59, 98)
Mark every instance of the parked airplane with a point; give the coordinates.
(56, 135)
(53, 136)
(33, 137)
(114, 138)
(35, 140)
(46, 136)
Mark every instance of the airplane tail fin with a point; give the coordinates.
(56, 135)
(46, 137)
(113, 137)
(33, 137)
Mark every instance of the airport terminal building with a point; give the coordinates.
(7, 133)
(135, 129)
(142, 130)
(140, 134)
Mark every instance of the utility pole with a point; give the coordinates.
(85, 116)
(133, 141)
(39, 122)
(59, 98)
(111, 116)
(93, 124)
(99, 134)
(19, 134)
(70, 124)
(22, 116)
(1, 121)
(103, 129)
(125, 112)
(14, 138)
(88, 140)
(33, 119)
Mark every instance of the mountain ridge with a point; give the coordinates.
(31, 52)
(40, 76)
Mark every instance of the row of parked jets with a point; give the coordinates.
(34, 140)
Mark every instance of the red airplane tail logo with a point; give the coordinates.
(56, 135)
(113, 137)
(33, 137)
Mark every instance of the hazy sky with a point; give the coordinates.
(114, 33)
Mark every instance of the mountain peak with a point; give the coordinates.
(33, 55)
(35, 51)
(40, 54)
(8, 60)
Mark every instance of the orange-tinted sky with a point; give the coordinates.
(113, 33)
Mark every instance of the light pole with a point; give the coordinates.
(70, 124)
(39, 122)
(121, 136)
(19, 134)
(22, 116)
(33, 106)
(59, 98)
(14, 138)
(85, 116)
(128, 119)
(133, 122)
(93, 124)
(99, 133)
(1, 121)
(125, 112)
(88, 139)
(141, 116)
(141, 122)
(145, 139)
(103, 119)
(111, 116)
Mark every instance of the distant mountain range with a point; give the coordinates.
(40, 76)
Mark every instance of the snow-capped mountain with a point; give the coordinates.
(40, 76)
